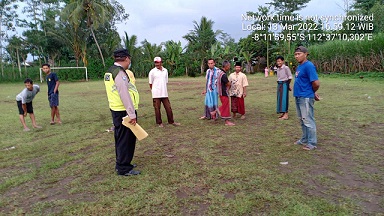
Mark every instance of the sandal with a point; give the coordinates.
(309, 147)
(299, 142)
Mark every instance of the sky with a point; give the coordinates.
(160, 21)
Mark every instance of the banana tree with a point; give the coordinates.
(172, 54)
(247, 55)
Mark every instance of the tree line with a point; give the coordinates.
(84, 33)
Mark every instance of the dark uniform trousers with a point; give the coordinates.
(125, 142)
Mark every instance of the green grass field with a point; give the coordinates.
(201, 167)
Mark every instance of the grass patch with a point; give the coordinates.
(201, 167)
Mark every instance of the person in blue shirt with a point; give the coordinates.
(53, 93)
(304, 91)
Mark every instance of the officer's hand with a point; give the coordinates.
(133, 122)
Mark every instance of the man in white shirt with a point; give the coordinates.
(158, 79)
(24, 103)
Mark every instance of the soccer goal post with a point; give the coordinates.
(58, 68)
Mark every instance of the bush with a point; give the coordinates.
(179, 71)
(96, 70)
(349, 56)
(12, 74)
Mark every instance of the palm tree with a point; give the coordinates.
(93, 12)
(138, 54)
(112, 41)
(73, 38)
(200, 40)
(130, 43)
(220, 51)
(149, 51)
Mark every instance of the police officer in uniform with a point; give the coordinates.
(116, 82)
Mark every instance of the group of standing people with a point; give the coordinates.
(123, 99)
(25, 97)
(231, 91)
(234, 87)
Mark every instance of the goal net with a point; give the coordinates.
(59, 68)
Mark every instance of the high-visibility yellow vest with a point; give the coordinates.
(115, 102)
(133, 90)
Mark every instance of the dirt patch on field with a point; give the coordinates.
(9, 101)
(185, 192)
(48, 190)
(37, 191)
(196, 208)
(347, 169)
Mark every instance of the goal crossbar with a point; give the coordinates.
(58, 68)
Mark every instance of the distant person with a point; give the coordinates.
(24, 103)
(266, 70)
(53, 93)
(210, 92)
(284, 77)
(275, 70)
(223, 85)
(158, 80)
(238, 91)
(117, 84)
(304, 90)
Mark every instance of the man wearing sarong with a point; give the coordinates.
(222, 88)
(284, 77)
(210, 92)
(238, 91)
